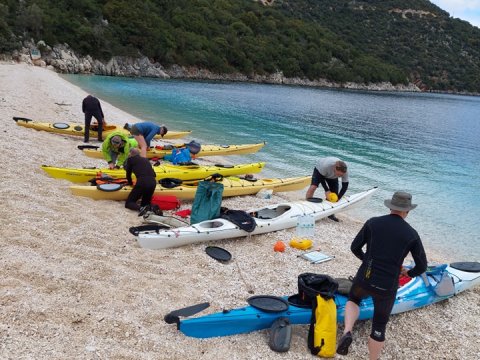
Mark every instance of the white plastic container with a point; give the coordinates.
(265, 194)
(305, 227)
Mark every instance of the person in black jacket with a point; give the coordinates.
(388, 241)
(91, 107)
(146, 182)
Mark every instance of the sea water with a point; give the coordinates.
(426, 144)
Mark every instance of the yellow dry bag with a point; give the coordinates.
(322, 335)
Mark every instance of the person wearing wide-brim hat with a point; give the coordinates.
(388, 240)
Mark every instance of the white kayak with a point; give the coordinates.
(268, 219)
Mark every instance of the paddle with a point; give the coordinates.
(135, 230)
(173, 317)
(16, 118)
(81, 147)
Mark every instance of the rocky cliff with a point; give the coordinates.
(64, 60)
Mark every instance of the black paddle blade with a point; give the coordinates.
(174, 316)
(17, 118)
(135, 230)
(81, 147)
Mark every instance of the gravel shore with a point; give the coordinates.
(76, 285)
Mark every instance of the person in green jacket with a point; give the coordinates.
(116, 148)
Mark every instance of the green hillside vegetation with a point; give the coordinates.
(358, 41)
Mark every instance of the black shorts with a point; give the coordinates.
(382, 303)
(332, 184)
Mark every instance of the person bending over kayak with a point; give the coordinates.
(116, 148)
(144, 132)
(91, 107)
(327, 172)
(145, 184)
(388, 240)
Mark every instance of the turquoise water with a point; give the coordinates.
(427, 144)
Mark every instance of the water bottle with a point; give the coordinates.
(305, 227)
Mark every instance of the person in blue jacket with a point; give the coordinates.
(144, 133)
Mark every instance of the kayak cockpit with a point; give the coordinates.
(271, 213)
(210, 224)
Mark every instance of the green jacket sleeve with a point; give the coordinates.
(122, 157)
(106, 151)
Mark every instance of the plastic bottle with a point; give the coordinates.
(305, 227)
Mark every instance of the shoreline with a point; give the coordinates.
(77, 285)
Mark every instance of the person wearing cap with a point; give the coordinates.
(116, 148)
(388, 240)
(145, 184)
(327, 171)
(91, 107)
(183, 155)
(144, 133)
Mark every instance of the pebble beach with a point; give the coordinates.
(75, 284)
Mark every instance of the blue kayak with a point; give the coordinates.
(416, 293)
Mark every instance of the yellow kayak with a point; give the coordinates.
(233, 186)
(79, 129)
(206, 150)
(182, 172)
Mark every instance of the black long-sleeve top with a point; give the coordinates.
(388, 241)
(139, 166)
(92, 105)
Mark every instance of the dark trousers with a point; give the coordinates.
(144, 189)
(88, 120)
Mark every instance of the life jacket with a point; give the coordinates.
(101, 178)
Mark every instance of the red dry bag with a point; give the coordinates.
(166, 202)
